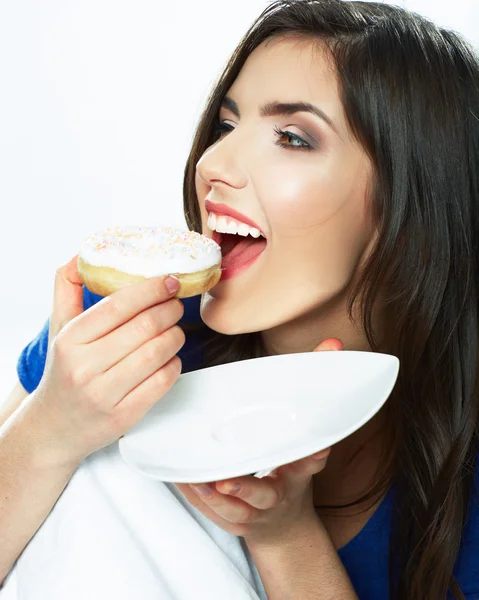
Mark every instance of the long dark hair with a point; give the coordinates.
(410, 92)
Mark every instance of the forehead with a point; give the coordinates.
(289, 70)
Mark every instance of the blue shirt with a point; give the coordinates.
(366, 556)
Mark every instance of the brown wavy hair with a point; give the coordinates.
(410, 92)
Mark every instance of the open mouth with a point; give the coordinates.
(237, 250)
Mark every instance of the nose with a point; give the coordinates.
(221, 165)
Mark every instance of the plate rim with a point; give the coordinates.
(270, 460)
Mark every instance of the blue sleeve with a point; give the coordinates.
(31, 363)
(467, 565)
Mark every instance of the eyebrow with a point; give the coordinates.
(281, 109)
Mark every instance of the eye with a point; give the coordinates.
(219, 128)
(294, 141)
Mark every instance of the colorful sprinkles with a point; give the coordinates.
(148, 242)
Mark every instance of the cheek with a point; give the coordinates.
(314, 193)
(300, 196)
(319, 223)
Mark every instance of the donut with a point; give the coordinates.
(118, 256)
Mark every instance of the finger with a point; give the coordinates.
(263, 493)
(133, 407)
(197, 501)
(138, 366)
(120, 307)
(228, 508)
(305, 468)
(329, 344)
(67, 297)
(149, 324)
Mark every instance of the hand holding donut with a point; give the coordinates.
(107, 366)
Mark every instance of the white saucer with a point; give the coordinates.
(255, 415)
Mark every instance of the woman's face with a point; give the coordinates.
(308, 196)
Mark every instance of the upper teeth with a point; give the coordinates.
(223, 224)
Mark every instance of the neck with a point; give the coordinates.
(305, 332)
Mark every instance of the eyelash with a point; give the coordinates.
(220, 128)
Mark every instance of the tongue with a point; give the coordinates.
(244, 250)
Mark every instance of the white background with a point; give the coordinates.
(98, 105)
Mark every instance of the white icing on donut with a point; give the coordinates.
(150, 251)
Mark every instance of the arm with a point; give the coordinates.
(82, 403)
(13, 401)
(30, 482)
(304, 567)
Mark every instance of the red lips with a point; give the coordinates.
(223, 209)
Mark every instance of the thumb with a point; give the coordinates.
(67, 297)
(329, 344)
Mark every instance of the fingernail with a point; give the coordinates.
(320, 455)
(234, 488)
(172, 284)
(341, 347)
(203, 489)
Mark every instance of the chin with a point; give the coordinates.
(225, 319)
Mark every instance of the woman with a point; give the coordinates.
(348, 133)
